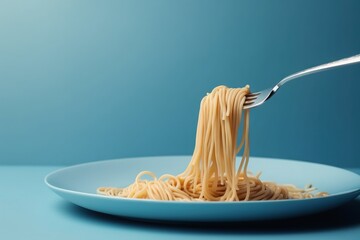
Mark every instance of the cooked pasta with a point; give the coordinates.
(212, 174)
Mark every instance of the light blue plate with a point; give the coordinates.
(78, 185)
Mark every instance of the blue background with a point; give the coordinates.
(90, 80)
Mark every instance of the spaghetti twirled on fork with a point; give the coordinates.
(212, 174)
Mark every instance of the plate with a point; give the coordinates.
(78, 185)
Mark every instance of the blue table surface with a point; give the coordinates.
(29, 210)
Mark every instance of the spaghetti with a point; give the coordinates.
(212, 174)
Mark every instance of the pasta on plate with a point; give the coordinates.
(212, 174)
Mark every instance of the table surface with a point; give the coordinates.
(29, 210)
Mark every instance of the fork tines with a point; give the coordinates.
(251, 97)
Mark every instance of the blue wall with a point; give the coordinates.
(90, 80)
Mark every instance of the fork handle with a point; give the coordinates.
(323, 67)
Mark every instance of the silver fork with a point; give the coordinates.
(258, 98)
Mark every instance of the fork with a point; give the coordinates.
(258, 98)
